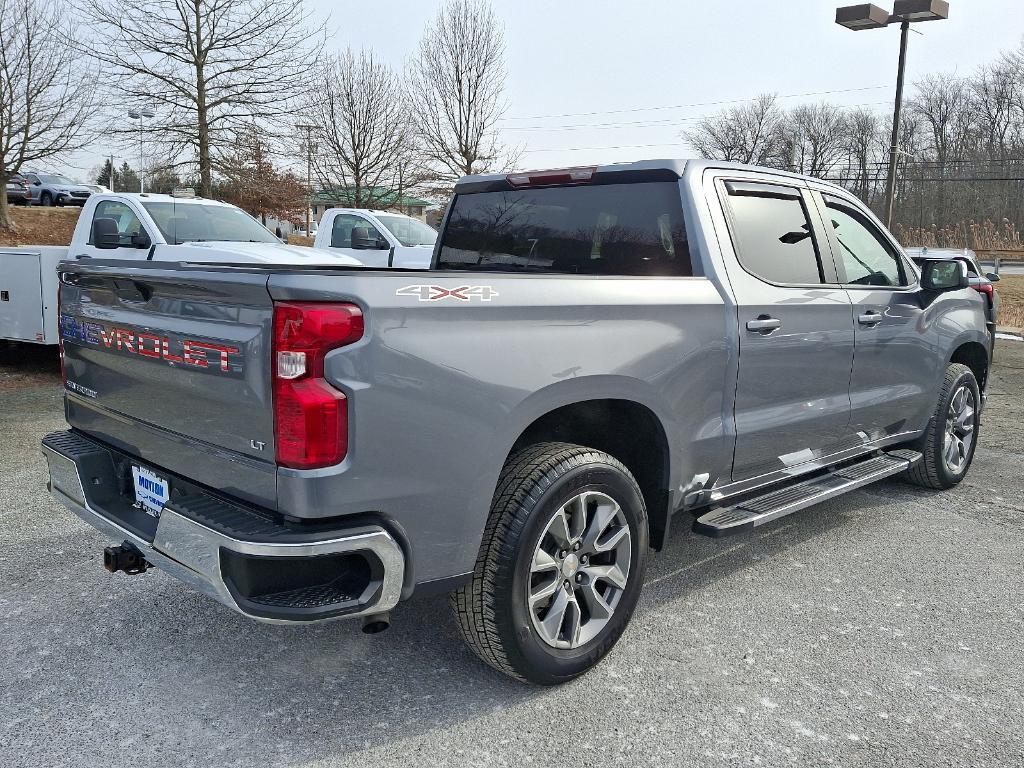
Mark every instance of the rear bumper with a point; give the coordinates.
(258, 566)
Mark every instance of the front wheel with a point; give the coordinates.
(952, 437)
(561, 564)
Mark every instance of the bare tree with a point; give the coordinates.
(209, 68)
(745, 134)
(942, 105)
(360, 122)
(456, 92)
(45, 104)
(863, 161)
(814, 138)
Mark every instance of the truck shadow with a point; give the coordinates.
(307, 692)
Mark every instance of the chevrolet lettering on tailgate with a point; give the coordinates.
(201, 354)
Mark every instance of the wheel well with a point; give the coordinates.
(624, 429)
(974, 356)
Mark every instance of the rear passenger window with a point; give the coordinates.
(772, 234)
(603, 229)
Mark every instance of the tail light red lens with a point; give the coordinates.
(310, 416)
(985, 288)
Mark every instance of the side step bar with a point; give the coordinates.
(749, 514)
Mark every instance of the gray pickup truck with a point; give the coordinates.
(595, 353)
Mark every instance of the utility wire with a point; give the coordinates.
(661, 122)
(695, 104)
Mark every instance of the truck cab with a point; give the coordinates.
(376, 238)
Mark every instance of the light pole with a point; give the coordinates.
(140, 115)
(905, 12)
(309, 171)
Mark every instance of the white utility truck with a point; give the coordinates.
(139, 226)
(376, 238)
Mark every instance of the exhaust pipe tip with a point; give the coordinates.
(376, 623)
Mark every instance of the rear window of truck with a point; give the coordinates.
(607, 229)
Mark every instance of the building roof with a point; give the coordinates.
(380, 197)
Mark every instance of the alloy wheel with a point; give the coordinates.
(579, 570)
(960, 423)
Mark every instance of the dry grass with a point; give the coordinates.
(296, 240)
(40, 226)
(1011, 301)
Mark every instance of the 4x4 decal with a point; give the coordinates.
(437, 292)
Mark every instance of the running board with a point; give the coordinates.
(749, 514)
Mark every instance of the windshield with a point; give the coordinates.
(48, 179)
(198, 223)
(408, 231)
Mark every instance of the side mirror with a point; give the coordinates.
(939, 275)
(141, 239)
(992, 277)
(363, 241)
(104, 234)
(37, 183)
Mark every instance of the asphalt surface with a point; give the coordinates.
(882, 628)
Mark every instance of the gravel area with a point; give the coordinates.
(880, 628)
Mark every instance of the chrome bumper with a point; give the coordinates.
(191, 552)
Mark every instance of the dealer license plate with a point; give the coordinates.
(151, 490)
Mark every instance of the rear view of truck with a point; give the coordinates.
(181, 427)
(315, 442)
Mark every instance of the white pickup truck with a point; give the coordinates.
(175, 228)
(376, 238)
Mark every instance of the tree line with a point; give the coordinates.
(240, 90)
(960, 159)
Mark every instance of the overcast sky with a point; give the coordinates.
(601, 81)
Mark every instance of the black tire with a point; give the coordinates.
(492, 610)
(933, 470)
(46, 200)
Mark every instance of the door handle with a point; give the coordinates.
(764, 324)
(870, 318)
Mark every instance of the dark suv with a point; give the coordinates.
(17, 190)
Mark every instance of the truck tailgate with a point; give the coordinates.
(173, 365)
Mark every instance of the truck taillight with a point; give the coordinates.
(985, 288)
(310, 416)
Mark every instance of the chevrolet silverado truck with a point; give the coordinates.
(595, 353)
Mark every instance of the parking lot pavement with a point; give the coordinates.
(881, 628)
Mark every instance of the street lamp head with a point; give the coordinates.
(134, 114)
(920, 10)
(147, 112)
(865, 16)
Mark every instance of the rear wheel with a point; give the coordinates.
(560, 567)
(952, 437)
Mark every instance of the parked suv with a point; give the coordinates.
(595, 354)
(52, 189)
